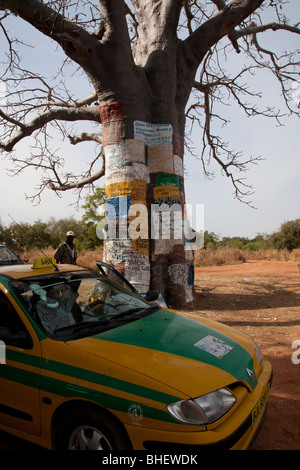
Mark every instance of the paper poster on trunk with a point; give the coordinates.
(153, 134)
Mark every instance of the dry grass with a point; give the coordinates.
(88, 258)
(276, 255)
(85, 258)
(208, 257)
(29, 255)
(219, 256)
(222, 256)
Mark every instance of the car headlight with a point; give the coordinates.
(258, 354)
(203, 410)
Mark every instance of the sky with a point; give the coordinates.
(275, 180)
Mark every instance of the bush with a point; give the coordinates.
(288, 236)
(23, 236)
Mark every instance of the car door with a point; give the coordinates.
(150, 296)
(19, 368)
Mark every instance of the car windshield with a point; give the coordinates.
(76, 304)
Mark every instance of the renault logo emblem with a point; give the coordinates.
(250, 373)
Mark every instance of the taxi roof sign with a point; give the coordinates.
(45, 262)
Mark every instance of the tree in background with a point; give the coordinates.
(92, 216)
(21, 235)
(288, 236)
(211, 240)
(151, 68)
(58, 228)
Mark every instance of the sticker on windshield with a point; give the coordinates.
(214, 346)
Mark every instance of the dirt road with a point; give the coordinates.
(263, 300)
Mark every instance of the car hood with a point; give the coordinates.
(193, 357)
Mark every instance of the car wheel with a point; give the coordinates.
(90, 430)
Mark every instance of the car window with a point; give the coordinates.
(7, 256)
(116, 274)
(67, 306)
(11, 322)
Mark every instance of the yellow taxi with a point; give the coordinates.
(88, 364)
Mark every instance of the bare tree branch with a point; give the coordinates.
(115, 30)
(78, 183)
(215, 148)
(77, 104)
(73, 39)
(75, 114)
(197, 44)
(86, 137)
(255, 29)
(106, 54)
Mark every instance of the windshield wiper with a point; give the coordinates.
(135, 310)
(78, 326)
(127, 315)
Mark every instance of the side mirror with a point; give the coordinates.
(152, 295)
(155, 296)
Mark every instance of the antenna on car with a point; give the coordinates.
(38, 247)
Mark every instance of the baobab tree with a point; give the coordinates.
(152, 67)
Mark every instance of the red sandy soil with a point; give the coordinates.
(262, 298)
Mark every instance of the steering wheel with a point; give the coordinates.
(95, 304)
(93, 309)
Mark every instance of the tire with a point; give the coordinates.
(92, 430)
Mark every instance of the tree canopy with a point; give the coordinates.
(135, 37)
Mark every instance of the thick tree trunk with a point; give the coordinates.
(145, 203)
